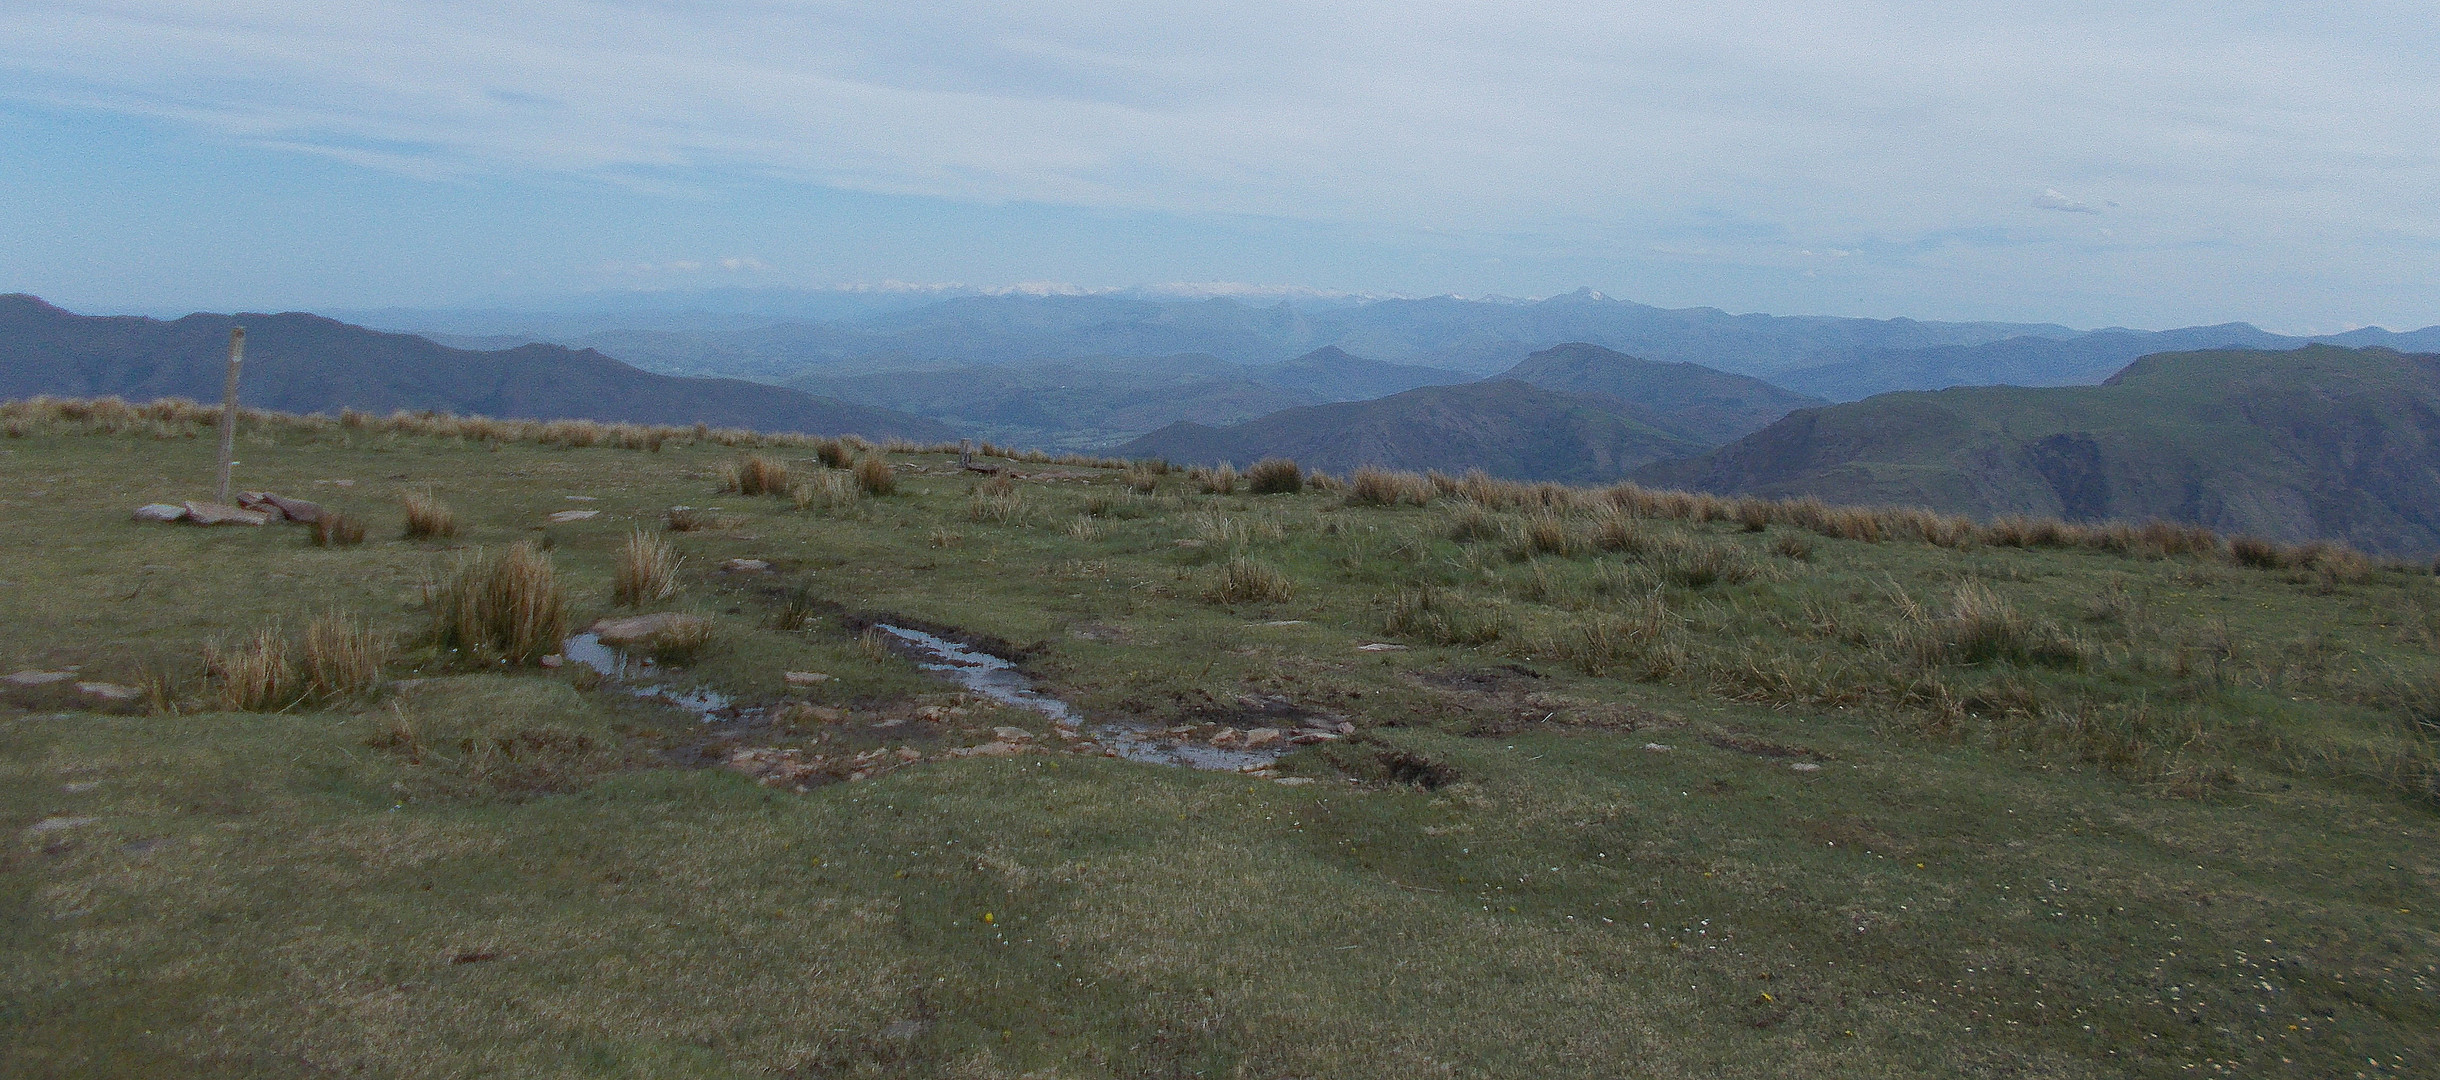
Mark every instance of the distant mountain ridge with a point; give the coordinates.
(2321, 442)
(1508, 428)
(1689, 400)
(306, 363)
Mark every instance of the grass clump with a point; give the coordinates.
(1979, 627)
(428, 518)
(1244, 581)
(1435, 616)
(647, 571)
(334, 529)
(258, 675)
(1217, 481)
(874, 475)
(343, 656)
(1275, 476)
(511, 605)
(683, 640)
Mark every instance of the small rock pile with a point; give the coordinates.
(253, 508)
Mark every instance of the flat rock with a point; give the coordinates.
(1806, 766)
(640, 629)
(746, 566)
(805, 678)
(55, 824)
(1292, 781)
(1012, 734)
(160, 512)
(110, 692)
(1380, 646)
(276, 507)
(24, 679)
(1656, 748)
(1261, 737)
(212, 513)
(565, 516)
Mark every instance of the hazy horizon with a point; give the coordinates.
(2079, 164)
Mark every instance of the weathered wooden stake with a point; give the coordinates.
(228, 414)
(965, 453)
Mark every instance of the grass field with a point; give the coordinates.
(1924, 809)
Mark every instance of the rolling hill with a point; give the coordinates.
(2318, 442)
(1074, 404)
(1507, 428)
(1330, 373)
(306, 363)
(1690, 400)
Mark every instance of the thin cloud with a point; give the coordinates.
(2053, 199)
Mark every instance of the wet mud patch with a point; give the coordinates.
(1507, 699)
(988, 644)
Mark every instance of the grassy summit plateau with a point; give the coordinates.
(1661, 785)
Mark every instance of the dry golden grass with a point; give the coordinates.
(428, 518)
(1275, 476)
(874, 475)
(682, 641)
(826, 491)
(259, 675)
(334, 529)
(646, 572)
(511, 605)
(343, 656)
(756, 474)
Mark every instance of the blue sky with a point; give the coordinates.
(2071, 162)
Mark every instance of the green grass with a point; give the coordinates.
(2076, 813)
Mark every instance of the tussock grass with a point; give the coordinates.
(828, 491)
(510, 605)
(874, 475)
(1275, 476)
(1369, 486)
(679, 519)
(647, 571)
(343, 656)
(1221, 480)
(999, 502)
(334, 529)
(1979, 627)
(1244, 581)
(684, 641)
(428, 518)
(257, 675)
(1435, 616)
(755, 474)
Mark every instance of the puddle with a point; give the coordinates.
(587, 649)
(1000, 681)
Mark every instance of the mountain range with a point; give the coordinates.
(2317, 442)
(306, 363)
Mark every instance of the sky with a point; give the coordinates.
(2185, 163)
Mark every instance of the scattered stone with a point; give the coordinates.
(56, 824)
(1656, 748)
(805, 678)
(554, 660)
(29, 679)
(160, 512)
(565, 516)
(111, 693)
(212, 513)
(1065, 733)
(637, 630)
(1012, 734)
(276, 507)
(746, 566)
(1227, 739)
(1293, 781)
(1806, 766)
(1380, 646)
(1261, 737)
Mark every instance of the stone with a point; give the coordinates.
(746, 566)
(112, 693)
(989, 749)
(1656, 748)
(804, 678)
(1380, 646)
(160, 512)
(1228, 739)
(55, 824)
(554, 660)
(1293, 781)
(212, 513)
(637, 630)
(297, 510)
(583, 498)
(1012, 734)
(1806, 766)
(565, 516)
(30, 679)
(1261, 737)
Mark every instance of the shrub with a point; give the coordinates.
(512, 605)
(428, 518)
(1244, 581)
(334, 529)
(1275, 476)
(343, 656)
(647, 571)
(874, 475)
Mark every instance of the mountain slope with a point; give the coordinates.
(1329, 373)
(2319, 442)
(1078, 404)
(1504, 427)
(305, 363)
(1689, 400)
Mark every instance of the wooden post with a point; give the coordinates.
(228, 414)
(965, 454)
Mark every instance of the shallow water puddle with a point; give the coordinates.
(587, 649)
(1000, 681)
